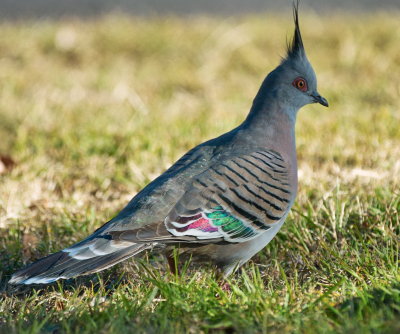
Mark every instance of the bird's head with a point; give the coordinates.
(294, 82)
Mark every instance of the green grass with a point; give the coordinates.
(92, 111)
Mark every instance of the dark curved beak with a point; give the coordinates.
(319, 99)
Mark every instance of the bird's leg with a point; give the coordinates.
(222, 282)
(172, 261)
(225, 286)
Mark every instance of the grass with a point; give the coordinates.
(91, 111)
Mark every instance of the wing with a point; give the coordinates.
(236, 200)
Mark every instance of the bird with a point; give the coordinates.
(221, 202)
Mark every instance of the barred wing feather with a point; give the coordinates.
(236, 200)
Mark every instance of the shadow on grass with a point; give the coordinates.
(377, 309)
(384, 296)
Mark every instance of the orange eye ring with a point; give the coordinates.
(300, 84)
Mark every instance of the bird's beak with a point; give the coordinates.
(319, 99)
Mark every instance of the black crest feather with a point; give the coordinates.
(296, 47)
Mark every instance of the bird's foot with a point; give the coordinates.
(225, 286)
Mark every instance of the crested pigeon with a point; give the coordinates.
(222, 202)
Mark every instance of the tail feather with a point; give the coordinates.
(84, 258)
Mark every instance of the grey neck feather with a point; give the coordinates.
(270, 104)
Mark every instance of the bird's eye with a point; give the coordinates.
(300, 84)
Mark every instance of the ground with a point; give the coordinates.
(92, 110)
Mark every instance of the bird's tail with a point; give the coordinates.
(88, 256)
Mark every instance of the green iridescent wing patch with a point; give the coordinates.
(229, 224)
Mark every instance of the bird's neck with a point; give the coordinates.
(274, 128)
(274, 125)
(272, 121)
